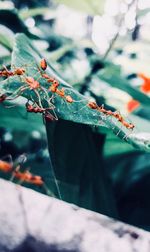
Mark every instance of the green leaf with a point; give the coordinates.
(78, 111)
(91, 7)
(76, 154)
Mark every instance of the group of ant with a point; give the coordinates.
(34, 85)
(14, 169)
(37, 106)
(115, 114)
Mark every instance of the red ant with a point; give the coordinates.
(5, 166)
(28, 177)
(34, 84)
(128, 125)
(54, 87)
(93, 105)
(36, 109)
(8, 73)
(19, 71)
(60, 92)
(120, 119)
(6, 163)
(43, 64)
(69, 99)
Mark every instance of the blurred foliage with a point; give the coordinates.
(97, 162)
(88, 6)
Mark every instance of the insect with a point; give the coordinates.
(47, 116)
(115, 114)
(69, 98)
(34, 109)
(43, 64)
(54, 87)
(19, 71)
(60, 92)
(118, 116)
(105, 111)
(5, 72)
(28, 177)
(33, 84)
(93, 105)
(5, 166)
(128, 125)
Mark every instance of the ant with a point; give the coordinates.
(28, 177)
(6, 163)
(54, 87)
(33, 84)
(34, 109)
(124, 123)
(43, 64)
(7, 73)
(69, 99)
(19, 71)
(93, 105)
(45, 111)
(5, 166)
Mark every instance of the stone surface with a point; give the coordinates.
(31, 222)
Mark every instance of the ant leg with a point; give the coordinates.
(18, 92)
(13, 174)
(55, 115)
(8, 158)
(127, 135)
(119, 131)
(39, 98)
(21, 159)
(47, 97)
(6, 68)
